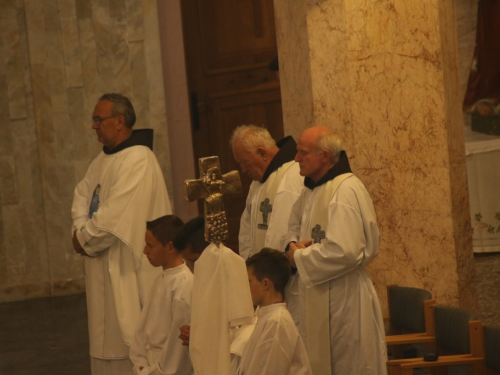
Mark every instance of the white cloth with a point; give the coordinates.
(349, 241)
(118, 276)
(221, 300)
(156, 345)
(239, 337)
(483, 166)
(275, 347)
(282, 188)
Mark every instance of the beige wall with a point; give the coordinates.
(56, 58)
(385, 76)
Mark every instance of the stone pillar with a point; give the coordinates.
(57, 58)
(384, 75)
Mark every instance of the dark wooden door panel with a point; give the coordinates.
(229, 44)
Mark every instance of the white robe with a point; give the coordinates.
(221, 300)
(239, 337)
(351, 240)
(275, 347)
(282, 188)
(156, 345)
(118, 275)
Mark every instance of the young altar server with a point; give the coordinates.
(275, 346)
(156, 348)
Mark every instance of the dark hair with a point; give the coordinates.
(121, 106)
(165, 228)
(272, 264)
(192, 234)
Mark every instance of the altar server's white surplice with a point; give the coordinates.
(275, 347)
(119, 193)
(221, 299)
(156, 345)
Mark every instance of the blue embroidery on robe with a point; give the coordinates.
(94, 203)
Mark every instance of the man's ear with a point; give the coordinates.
(327, 155)
(262, 152)
(121, 121)
(170, 247)
(267, 283)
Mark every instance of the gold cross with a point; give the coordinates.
(212, 185)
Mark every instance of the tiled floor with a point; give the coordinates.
(44, 336)
(49, 335)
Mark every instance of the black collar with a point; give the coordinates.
(288, 149)
(341, 167)
(139, 137)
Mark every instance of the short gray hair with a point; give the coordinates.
(121, 106)
(331, 142)
(252, 137)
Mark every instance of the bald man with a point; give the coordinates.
(332, 237)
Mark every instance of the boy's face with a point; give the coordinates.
(190, 257)
(256, 288)
(154, 250)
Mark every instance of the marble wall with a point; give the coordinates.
(56, 58)
(385, 76)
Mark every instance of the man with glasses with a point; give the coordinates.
(122, 190)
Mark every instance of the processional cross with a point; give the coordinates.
(212, 185)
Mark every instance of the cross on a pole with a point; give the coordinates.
(317, 234)
(265, 208)
(212, 185)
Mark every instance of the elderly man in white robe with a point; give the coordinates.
(332, 236)
(122, 189)
(276, 185)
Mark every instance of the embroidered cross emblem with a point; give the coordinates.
(317, 234)
(265, 208)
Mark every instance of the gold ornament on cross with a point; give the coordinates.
(212, 185)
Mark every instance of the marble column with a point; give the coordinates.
(57, 57)
(384, 75)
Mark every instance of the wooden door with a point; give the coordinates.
(229, 44)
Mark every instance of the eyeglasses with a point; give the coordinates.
(98, 120)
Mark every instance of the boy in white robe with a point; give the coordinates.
(275, 346)
(156, 348)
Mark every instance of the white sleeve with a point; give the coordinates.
(138, 353)
(174, 358)
(90, 234)
(294, 221)
(80, 206)
(270, 356)
(344, 246)
(288, 192)
(245, 242)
